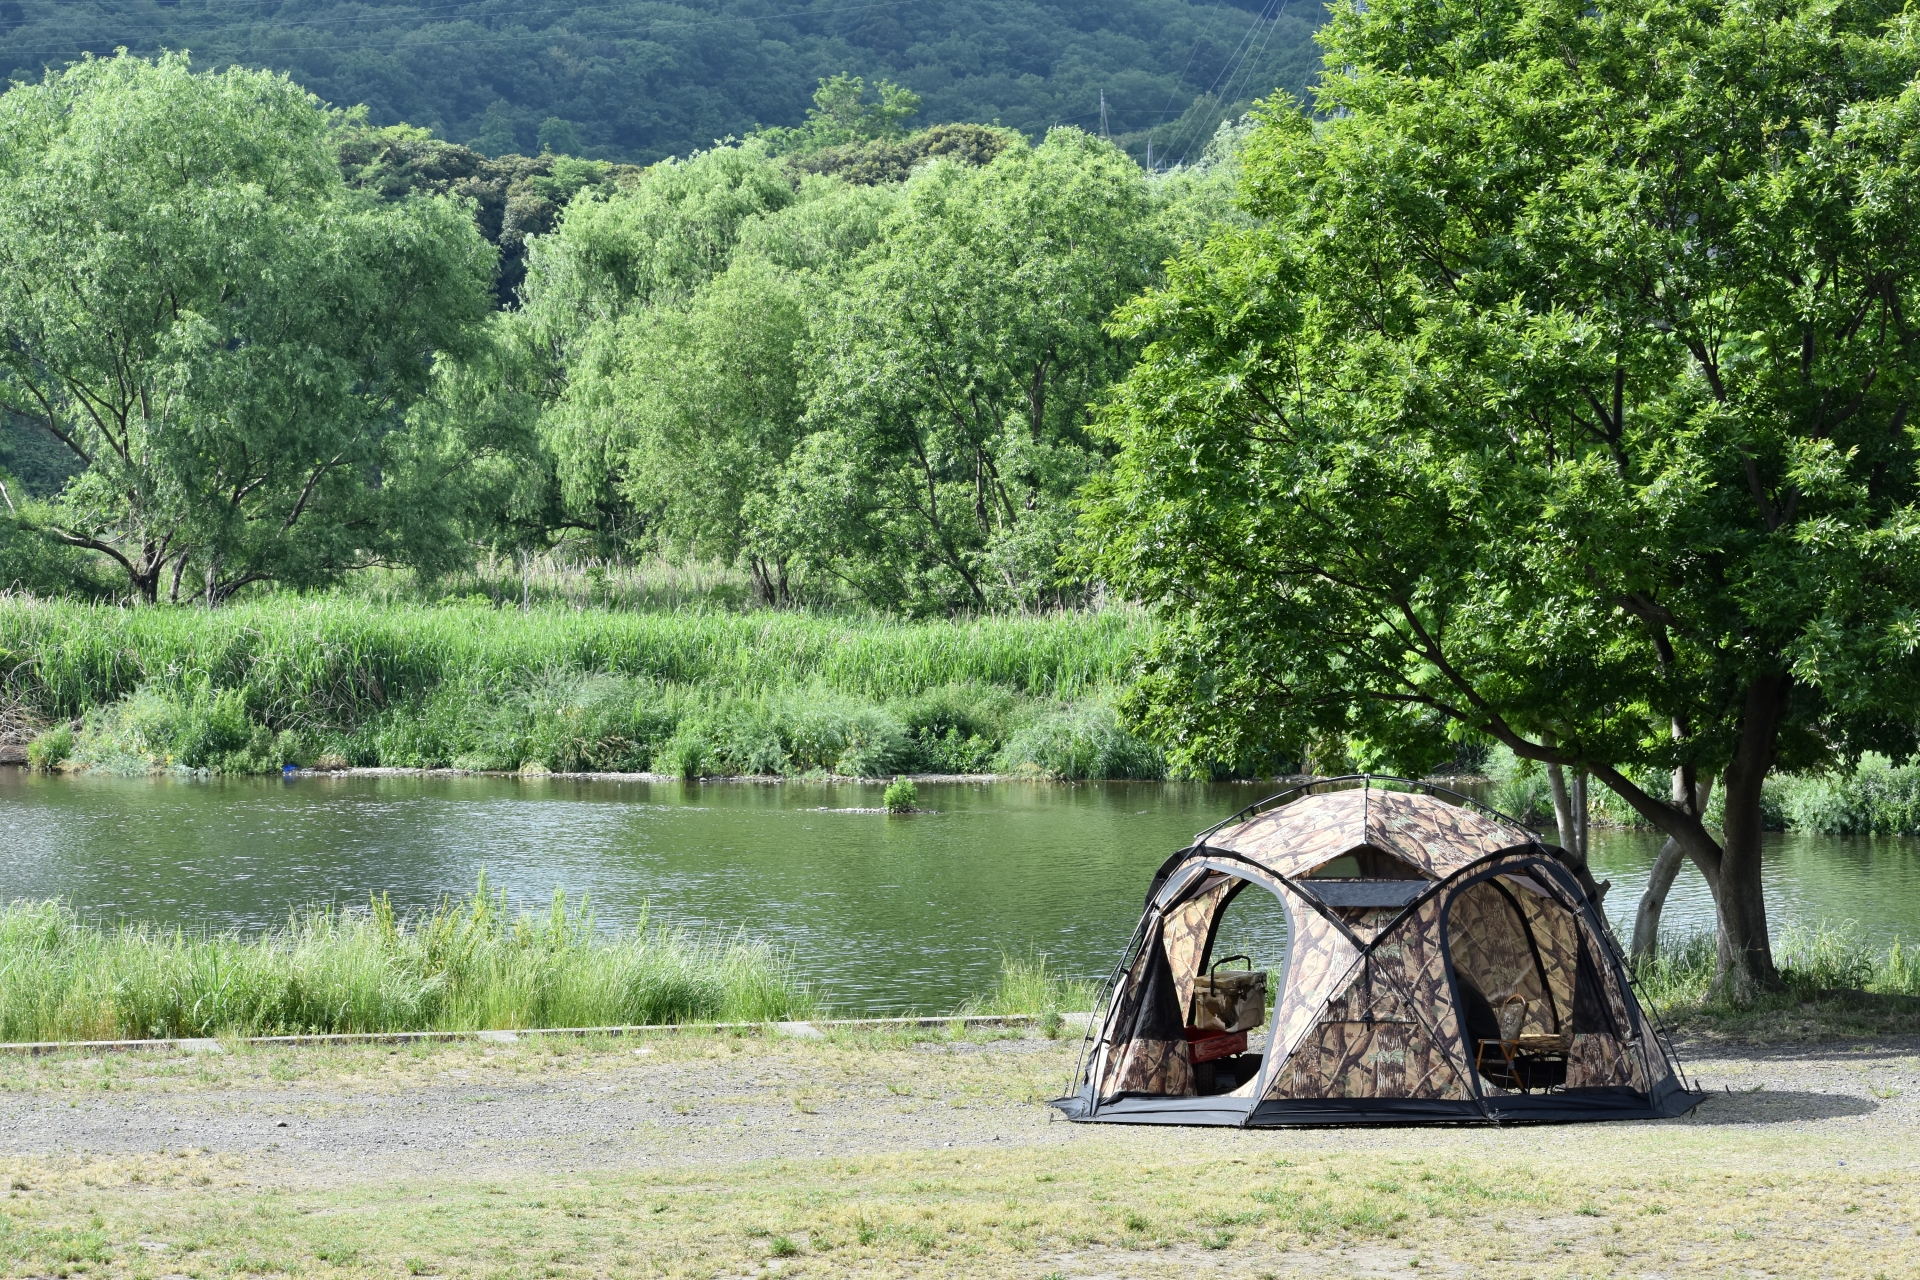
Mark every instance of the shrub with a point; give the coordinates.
(956, 728)
(1080, 742)
(51, 747)
(1876, 798)
(901, 796)
(196, 729)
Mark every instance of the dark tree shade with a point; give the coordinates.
(638, 81)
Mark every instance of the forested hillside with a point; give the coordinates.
(639, 80)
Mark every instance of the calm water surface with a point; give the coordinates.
(883, 913)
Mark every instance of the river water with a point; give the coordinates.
(884, 914)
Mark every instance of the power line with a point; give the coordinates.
(1239, 60)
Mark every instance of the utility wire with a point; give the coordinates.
(1238, 61)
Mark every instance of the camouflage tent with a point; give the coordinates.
(1442, 964)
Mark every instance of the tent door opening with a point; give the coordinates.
(1512, 948)
(1229, 1010)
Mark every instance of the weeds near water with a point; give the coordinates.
(467, 965)
(1826, 965)
(1876, 798)
(249, 688)
(1030, 984)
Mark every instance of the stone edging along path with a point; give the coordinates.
(810, 1030)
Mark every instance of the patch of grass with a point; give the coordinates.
(250, 687)
(1835, 984)
(1029, 984)
(468, 965)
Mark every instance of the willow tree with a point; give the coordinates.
(225, 337)
(1562, 395)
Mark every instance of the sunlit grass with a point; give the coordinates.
(1833, 982)
(340, 682)
(1029, 984)
(468, 965)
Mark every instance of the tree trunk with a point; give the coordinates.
(1646, 919)
(1666, 867)
(1581, 815)
(1744, 961)
(1563, 810)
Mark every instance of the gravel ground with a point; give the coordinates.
(458, 1108)
(455, 1111)
(580, 1160)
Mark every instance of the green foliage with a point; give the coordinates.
(1030, 985)
(841, 114)
(883, 387)
(195, 728)
(1559, 398)
(1486, 522)
(466, 965)
(1876, 798)
(639, 81)
(957, 728)
(1084, 741)
(514, 196)
(901, 796)
(234, 336)
(884, 160)
(951, 378)
(1520, 787)
(36, 561)
(253, 686)
(50, 748)
(337, 661)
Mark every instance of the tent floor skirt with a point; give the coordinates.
(1568, 1107)
(1143, 1109)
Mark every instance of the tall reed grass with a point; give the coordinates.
(467, 965)
(339, 661)
(253, 687)
(1029, 984)
(1812, 961)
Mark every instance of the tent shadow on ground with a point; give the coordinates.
(1776, 1106)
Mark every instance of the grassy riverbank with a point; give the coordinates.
(253, 687)
(470, 965)
(1835, 984)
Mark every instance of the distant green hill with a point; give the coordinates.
(637, 80)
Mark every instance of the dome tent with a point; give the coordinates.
(1443, 965)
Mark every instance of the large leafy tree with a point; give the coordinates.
(604, 311)
(951, 376)
(1564, 395)
(226, 338)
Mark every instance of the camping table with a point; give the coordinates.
(1525, 1058)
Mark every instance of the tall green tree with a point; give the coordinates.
(688, 407)
(1564, 395)
(951, 377)
(605, 293)
(194, 305)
